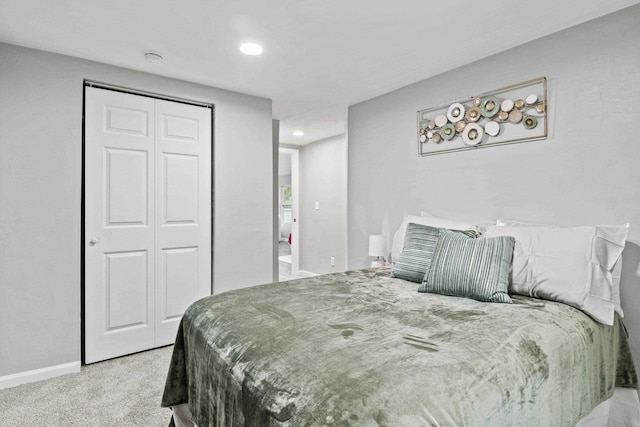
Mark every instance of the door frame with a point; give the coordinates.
(100, 85)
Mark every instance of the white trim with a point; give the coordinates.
(14, 380)
(107, 86)
(306, 273)
(295, 195)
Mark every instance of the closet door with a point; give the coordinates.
(119, 224)
(147, 219)
(183, 212)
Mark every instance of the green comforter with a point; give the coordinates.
(362, 349)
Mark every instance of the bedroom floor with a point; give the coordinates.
(284, 255)
(125, 391)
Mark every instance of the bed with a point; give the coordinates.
(363, 348)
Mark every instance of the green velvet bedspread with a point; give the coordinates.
(363, 349)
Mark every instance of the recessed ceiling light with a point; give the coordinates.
(251, 49)
(153, 57)
(298, 133)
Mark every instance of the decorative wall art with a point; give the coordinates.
(515, 113)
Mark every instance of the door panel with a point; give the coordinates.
(127, 188)
(181, 273)
(183, 212)
(119, 229)
(147, 219)
(181, 189)
(126, 286)
(130, 121)
(180, 128)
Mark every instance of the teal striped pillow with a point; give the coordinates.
(472, 268)
(419, 245)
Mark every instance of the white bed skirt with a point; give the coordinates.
(622, 410)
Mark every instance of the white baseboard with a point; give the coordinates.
(14, 380)
(307, 273)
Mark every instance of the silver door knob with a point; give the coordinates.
(93, 241)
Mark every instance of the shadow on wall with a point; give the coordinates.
(630, 297)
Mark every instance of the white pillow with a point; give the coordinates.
(432, 221)
(572, 265)
(616, 271)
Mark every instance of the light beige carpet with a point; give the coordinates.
(120, 392)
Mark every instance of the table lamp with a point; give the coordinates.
(378, 249)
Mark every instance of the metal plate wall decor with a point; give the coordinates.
(515, 113)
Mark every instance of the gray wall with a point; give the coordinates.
(323, 178)
(586, 172)
(40, 196)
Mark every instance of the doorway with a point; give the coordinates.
(288, 213)
(147, 219)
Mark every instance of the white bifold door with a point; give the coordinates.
(147, 219)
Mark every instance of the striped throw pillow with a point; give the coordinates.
(472, 268)
(419, 245)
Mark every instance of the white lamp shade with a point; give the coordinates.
(377, 245)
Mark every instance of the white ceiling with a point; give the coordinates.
(320, 56)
